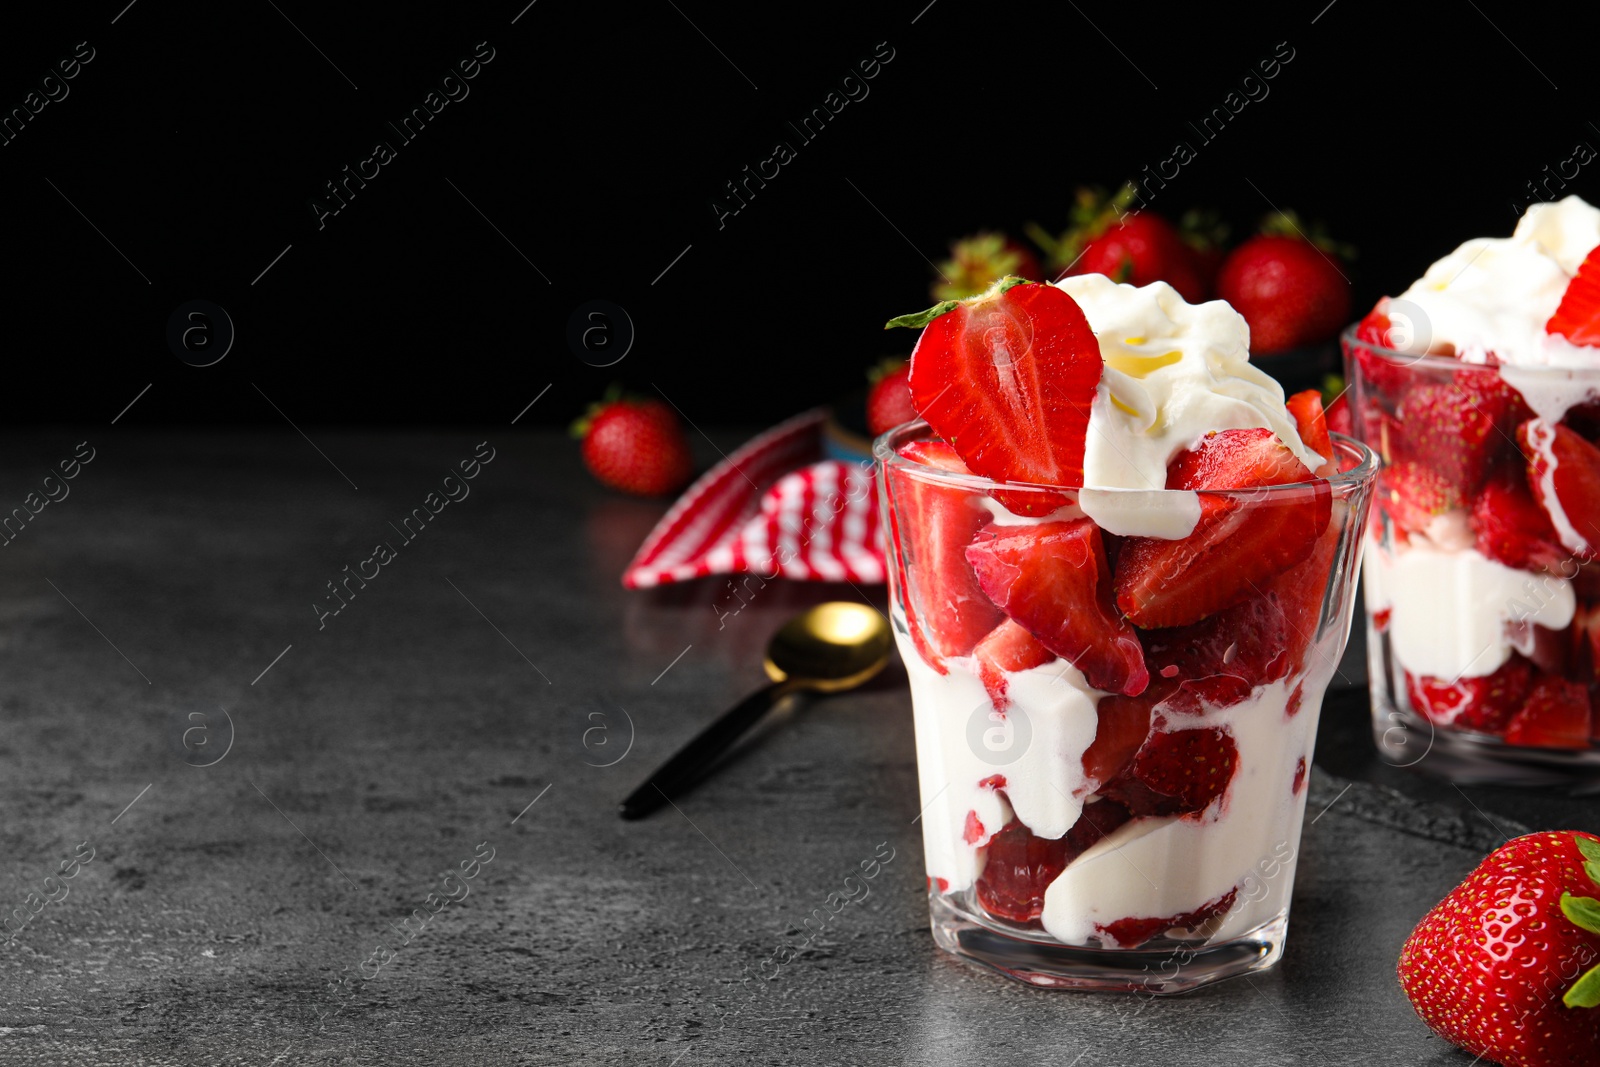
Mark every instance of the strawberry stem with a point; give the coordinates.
(918, 319)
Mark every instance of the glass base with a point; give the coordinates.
(1405, 739)
(1161, 967)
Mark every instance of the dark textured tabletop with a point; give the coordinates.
(275, 891)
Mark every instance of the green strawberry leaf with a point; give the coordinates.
(1585, 992)
(918, 319)
(1582, 911)
(1591, 852)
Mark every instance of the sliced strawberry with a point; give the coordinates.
(1338, 416)
(1573, 467)
(1131, 933)
(1053, 579)
(933, 452)
(1584, 635)
(1007, 648)
(1008, 379)
(1306, 407)
(1548, 650)
(1017, 868)
(1413, 495)
(1485, 704)
(1556, 715)
(1386, 375)
(1512, 527)
(1459, 428)
(1177, 772)
(1099, 818)
(973, 832)
(933, 523)
(1298, 595)
(1218, 661)
(1578, 316)
(1299, 778)
(1238, 545)
(1124, 723)
(1236, 459)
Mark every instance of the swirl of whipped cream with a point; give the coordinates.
(1495, 294)
(1173, 372)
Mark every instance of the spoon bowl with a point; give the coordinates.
(829, 648)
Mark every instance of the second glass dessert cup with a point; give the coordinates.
(1120, 841)
(1483, 614)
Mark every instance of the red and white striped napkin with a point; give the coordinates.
(774, 508)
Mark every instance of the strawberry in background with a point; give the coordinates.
(1135, 247)
(978, 261)
(1288, 286)
(889, 402)
(635, 445)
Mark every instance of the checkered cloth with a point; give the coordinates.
(774, 508)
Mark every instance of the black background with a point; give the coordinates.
(597, 139)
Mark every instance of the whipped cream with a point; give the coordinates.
(1494, 295)
(1455, 613)
(1173, 372)
(962, 741)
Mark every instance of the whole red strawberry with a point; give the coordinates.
(1506, 965)
(979, 261)
(635, 445)
(1137, 247)
(889, 402)
(1291, 292)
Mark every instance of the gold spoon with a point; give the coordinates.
(826, 649)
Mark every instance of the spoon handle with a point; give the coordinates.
(675, 776)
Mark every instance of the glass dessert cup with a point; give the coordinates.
(1056, 853)
(1483, 623)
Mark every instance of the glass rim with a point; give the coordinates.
(1454, 364)
(884, 451)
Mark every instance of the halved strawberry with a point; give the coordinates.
(1018, 866)
(946, 611)
(1131, 933)
(1573, 466)
(1512, 527)
(1414, 495)
(1306, 407)
(1485, 704)
(1008, 379)
(1578, 316)
(1192, 767)
(1238, 545)
(1458, 428)
(1555, 715)
(1053, 579)
(1124, 723)
(1007, 648)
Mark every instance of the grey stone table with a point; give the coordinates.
(274, 891)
